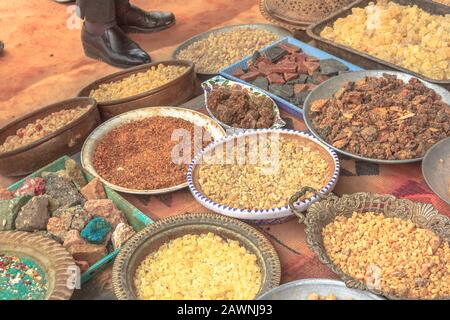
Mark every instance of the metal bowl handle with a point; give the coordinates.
(301, 216)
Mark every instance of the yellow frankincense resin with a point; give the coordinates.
(199, 267)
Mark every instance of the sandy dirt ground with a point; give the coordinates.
(44, 62)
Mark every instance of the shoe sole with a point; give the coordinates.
(89, 52)
(131, 29)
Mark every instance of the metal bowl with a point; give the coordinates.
(328, 88)
(155, 235)
(52, 257)
(436, 169)
(281, 32)
(273, 215)
(223, 82)
(66, 140)
(324, 212)
(90, 144)
(301, 289)
(174, 92)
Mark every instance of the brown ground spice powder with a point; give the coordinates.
(138, 155)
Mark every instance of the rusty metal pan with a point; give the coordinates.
(363, 59)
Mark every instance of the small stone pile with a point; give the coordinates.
(64, 207)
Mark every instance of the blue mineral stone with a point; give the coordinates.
(96, 230)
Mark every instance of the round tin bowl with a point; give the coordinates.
(52, 257)
(155, 235)
(301, 289)
(90, 145)
(64, 141)
(273, 215)
(329, 87)
(281, 32)
(174, 92)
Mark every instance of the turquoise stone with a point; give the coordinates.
(96, 230)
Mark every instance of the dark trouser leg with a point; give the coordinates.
(97, 11)
(103, 39)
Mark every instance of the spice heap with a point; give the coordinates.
(382, 118)
(390, 254)
(287, 72)
(220, 50)
(64, 207)
(21, 279)
(239, 108)
(137, 83)
(138, 155)
(199, 267)
(256, 181)
(41, 128)
(404, 35)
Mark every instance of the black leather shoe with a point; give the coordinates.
(137, 20)
(113, 47)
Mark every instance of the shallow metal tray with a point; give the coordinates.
(363, 59)
(301, 289)
(328, 88)
(197, 118)
(436, 169)
(281, 32)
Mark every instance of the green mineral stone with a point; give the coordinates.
(75, 173)
(63, 192)
(9, 210)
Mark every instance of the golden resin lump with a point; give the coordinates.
(390, 254)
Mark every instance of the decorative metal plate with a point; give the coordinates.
(436, 169)
(328, 88)
(197, 118)
(281, 32)
(54, 260)
(272, 215)
(155, 235)
(301, 289)
(324, 212)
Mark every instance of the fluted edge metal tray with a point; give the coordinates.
(52, 257)
(324, 212)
